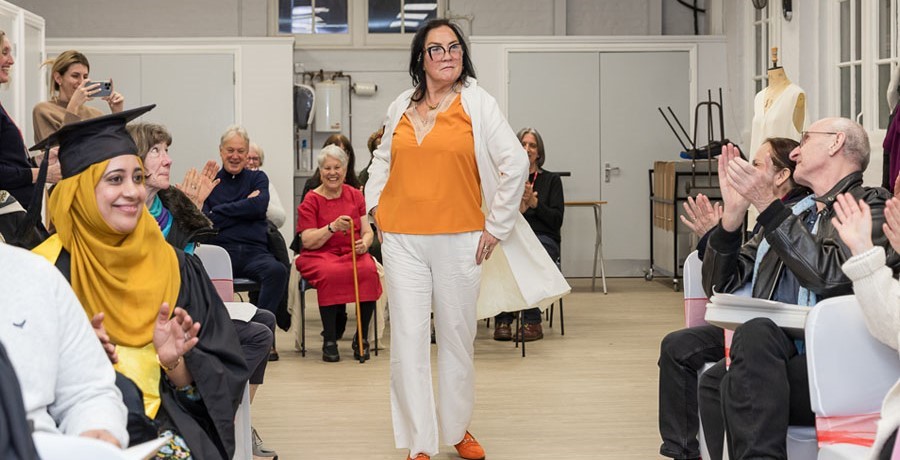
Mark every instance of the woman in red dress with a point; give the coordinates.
(323, 223)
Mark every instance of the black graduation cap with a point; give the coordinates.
(92, 141)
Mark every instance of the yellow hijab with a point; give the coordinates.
(127, 276)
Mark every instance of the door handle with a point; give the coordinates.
(608, 170)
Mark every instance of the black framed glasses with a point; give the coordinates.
(805, 135)
(437, 52)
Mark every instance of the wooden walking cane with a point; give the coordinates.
(359, 335)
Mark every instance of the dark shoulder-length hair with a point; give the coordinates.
(781, 159)
(417, 56)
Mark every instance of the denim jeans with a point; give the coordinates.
(682, 355)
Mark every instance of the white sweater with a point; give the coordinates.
(879, 297)
(68, 383)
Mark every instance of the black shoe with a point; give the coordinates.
(330, 352)
(355, 346)
(273, 354)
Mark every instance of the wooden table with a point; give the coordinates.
(598, 240)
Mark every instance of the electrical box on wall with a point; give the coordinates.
(329, 115)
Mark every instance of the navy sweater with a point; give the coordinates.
(241, 221)
(15, 166)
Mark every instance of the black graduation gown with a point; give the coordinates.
(216, 363)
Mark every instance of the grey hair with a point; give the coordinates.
(332, 151)
(856, 142)
(234, 130)
(259, 150)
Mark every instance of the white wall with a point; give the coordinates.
(154, 18)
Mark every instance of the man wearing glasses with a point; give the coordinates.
(795, 259)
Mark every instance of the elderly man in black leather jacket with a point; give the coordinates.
(796, 258)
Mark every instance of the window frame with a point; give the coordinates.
(853, 63)
(892, 60)
(358, 35)
(757, 53)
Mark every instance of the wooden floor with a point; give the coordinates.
(590, 394)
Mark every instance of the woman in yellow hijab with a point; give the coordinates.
(186, 359)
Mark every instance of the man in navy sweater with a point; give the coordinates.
(237, 209)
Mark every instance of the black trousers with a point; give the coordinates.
(765, 390)
(334, 316)
(682, 355)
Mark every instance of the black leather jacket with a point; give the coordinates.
(814, 259)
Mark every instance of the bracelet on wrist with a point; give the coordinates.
(168, 368)
(330, 230)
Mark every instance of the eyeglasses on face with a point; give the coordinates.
(805, 135)
(436, 52)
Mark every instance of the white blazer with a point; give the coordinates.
(520, 273)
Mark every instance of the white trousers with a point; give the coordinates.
(425, 272)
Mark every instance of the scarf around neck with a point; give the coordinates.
(805, 297)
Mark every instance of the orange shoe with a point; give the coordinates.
(469, 448)
(419, 457)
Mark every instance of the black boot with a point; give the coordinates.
(355, 346)
(330, 352)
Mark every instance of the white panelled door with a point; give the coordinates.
(594, 108)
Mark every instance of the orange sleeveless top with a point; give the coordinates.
(433, 186)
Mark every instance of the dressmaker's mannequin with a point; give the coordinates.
(779, 110)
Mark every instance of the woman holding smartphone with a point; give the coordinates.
(69, 89)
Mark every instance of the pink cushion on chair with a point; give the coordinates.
(847, 429)
(694, 311)
(225, 288)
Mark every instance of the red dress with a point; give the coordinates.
(329, 269)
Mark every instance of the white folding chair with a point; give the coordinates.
(850, 372)
(217, 263)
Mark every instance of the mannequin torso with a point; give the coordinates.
(778, 82)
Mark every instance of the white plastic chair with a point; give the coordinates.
(694, 309)
(850, 372)
(217, 263)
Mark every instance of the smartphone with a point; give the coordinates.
(105, 88)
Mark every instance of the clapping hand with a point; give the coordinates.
(198, 185)
(529, 198)
(853, 221)
(175, 336)
(892, 222)
(100, 332)
(701, 215)
(735, 204)
(755, 185)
